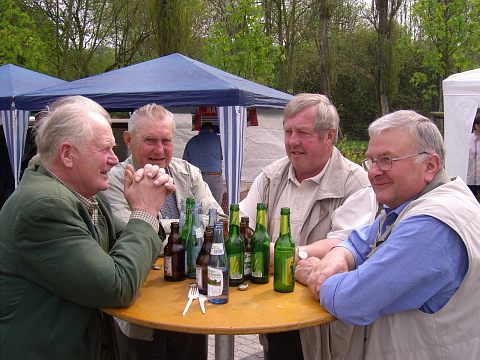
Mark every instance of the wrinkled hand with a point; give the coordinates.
(303, 269)
(334, 262)
(147, 188)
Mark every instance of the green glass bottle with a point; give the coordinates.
(284, 256)
(235, 247)
(260, 263)
(188, 237)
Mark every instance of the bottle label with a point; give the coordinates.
(288, 271)
(247, 263)
(234, 263)
(167, 265)
(215, 281)
(198, 233)
(257, 264)
(216, 249)
(198, 277)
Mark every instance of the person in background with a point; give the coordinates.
(411, 276)
(63, 255)
(150, 140)
(204, 150)
(328, 196)
(473, 174)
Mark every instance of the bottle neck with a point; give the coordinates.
(261, 220)
(284, 225)
(234, 223)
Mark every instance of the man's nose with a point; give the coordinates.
(112, 158)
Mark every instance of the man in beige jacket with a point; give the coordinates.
(328, 196)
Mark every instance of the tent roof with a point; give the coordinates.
(172, 80)
(464, 83)
(15, 80)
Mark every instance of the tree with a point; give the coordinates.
(383, 19)
(449, 40)
(20, 43)
(238, 43)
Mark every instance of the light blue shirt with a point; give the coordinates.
(419, 266)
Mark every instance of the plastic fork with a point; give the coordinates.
(192, 295)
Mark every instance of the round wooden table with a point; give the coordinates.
(259, 309)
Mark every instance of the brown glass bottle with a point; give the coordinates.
(246, 234)
(201, 273)
(174, 255)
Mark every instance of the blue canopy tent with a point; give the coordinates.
(175, 81)
(15, 80)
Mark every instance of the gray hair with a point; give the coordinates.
(327, 115)
(65, 120)
(424, 131)
(150, 111)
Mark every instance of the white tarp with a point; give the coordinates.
(461, 98)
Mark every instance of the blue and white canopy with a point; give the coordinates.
(175, 81)
(14, 81)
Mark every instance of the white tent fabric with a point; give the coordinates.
(15, 124)
(232, 121)
(461, 98)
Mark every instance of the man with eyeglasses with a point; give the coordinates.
(411, 276)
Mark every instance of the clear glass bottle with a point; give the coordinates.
(202, 261)
(218, 268)
(174, 255)
(235, 248)
(284, 256)
(260, 248)
(212, 217)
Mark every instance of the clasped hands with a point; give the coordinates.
(147, 188)
(314, 271)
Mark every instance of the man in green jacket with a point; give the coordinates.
(63, 256)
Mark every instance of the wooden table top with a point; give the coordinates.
(259, 309)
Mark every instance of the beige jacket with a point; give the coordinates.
(453, 332)
(342, 180)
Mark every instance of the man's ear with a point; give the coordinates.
(67, 155)
(433, 167)
(331, 135)
(127, 138)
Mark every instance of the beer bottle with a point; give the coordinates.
(174, 255)
(260, 248)
(188, 237)
(284, 256)
(246, 235)
(235, 248)
(198, 230)
(218, 268)
(202, 261)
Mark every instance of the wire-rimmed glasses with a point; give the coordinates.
(385, 163)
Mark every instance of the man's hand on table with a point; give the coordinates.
(336, 261)
(147, 188)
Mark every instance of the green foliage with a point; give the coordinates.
(19, 41)
(450, 39)
(238, 43)
(352, 150)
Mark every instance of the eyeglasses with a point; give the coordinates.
(385, 163)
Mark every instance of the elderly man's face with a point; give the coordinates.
(93, 161)
(151, 142)
(407, 177)
(307, 149)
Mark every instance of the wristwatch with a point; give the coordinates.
(302, 252)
